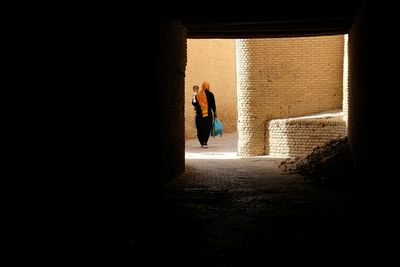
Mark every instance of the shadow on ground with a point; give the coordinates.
(231, 211)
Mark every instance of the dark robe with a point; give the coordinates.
(204, 124)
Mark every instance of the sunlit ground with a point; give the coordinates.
(211, 155)
(219, 147)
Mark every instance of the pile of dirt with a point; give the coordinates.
(330, 165)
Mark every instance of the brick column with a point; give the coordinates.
(284, 78)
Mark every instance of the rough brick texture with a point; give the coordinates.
(212, 60)
(173, 64)
(345, 103)
(359, 93)
(297, 137)
(282, 78)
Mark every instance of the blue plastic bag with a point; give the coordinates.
(216, 128)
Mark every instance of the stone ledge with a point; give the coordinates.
(296, 137)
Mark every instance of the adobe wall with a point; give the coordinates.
(283, 78)
(212, 60)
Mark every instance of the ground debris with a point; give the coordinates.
(328, 165)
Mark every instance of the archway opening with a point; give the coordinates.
(279, 97)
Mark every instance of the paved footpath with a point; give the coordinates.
(230, 211)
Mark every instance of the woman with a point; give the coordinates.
(206, 111)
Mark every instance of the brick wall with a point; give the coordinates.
(282, 78)
(345, 103)
(212, 60)
(297, 137)
(361, 91)
(172, 62)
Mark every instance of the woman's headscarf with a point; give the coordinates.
(202, 98)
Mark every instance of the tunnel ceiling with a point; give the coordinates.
(268, 18)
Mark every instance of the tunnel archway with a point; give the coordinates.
(251, 23)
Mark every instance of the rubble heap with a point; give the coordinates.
(328, 165)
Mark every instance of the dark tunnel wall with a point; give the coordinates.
(371, 86)
(172, 68)
(372, 113)
(104, 130)
(358, 91)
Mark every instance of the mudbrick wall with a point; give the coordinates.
(285, 77)
(212, 60)
(297, 137)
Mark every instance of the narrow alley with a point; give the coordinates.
(231, 211)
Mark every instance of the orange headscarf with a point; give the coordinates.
(202, 98)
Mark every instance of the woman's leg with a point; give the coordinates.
(198, 128)
(207, 129)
